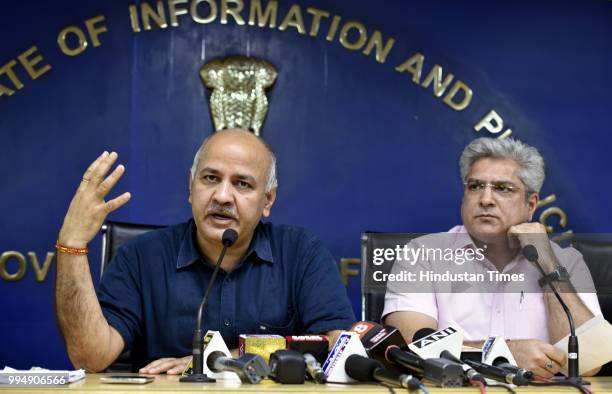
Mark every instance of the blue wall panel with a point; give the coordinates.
(360, 146)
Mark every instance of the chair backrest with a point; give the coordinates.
(598, 257)
(597, 254)
(115, 234)
(373, 299)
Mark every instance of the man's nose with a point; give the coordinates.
(486, 197)
(223, 193)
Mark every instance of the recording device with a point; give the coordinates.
(227, 239)
(365, 369)
(261, 344)
(287, 367)
(531, 254)
(250, 368)
(314, 369)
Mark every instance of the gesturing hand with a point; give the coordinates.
(88, 209)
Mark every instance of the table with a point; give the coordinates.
(170, 384)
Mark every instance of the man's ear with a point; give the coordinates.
(532, 204)
(270, 198)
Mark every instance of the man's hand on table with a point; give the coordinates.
(171, 366)
(542, 358)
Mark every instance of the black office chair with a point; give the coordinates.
(115, 234)
(373, 295)
(597, 253)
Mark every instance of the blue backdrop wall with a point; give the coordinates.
(361, 143)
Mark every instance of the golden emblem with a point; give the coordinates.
(238, 87)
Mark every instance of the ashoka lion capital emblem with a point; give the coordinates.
(238, 87)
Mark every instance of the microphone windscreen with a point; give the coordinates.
(530, 253)
(229, 237)
(422, 333)
(361, 368)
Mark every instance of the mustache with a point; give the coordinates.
(224, 210)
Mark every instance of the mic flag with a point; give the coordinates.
(348, 343)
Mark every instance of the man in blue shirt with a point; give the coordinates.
(274, 279)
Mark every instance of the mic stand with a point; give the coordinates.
(572, 342)
(198, 375)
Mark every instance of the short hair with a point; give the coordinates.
(271, 182)
(528, 158)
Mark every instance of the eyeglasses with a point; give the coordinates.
(505, 189)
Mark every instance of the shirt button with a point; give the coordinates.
(227, 322)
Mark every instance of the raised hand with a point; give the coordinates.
(88, 208)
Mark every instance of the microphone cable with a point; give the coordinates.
(480, 385)
(541, 382)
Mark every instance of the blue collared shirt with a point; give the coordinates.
(287, 283)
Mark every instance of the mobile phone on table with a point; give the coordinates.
(127, 379)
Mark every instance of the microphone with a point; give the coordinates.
(381, 343)
(531, 253)
(497, 373)
(427, 332)
(521, 373)
(376, 338)
(314, 369)
(315, 349)
(287, 367)
(429, 343)
(495, 352)
(443, 372)
(251, 368)
(470, 373)
(364, 369)
(227, 239)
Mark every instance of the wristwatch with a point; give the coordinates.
(558, 275)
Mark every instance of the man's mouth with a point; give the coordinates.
(486, 216)
(220, 217)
